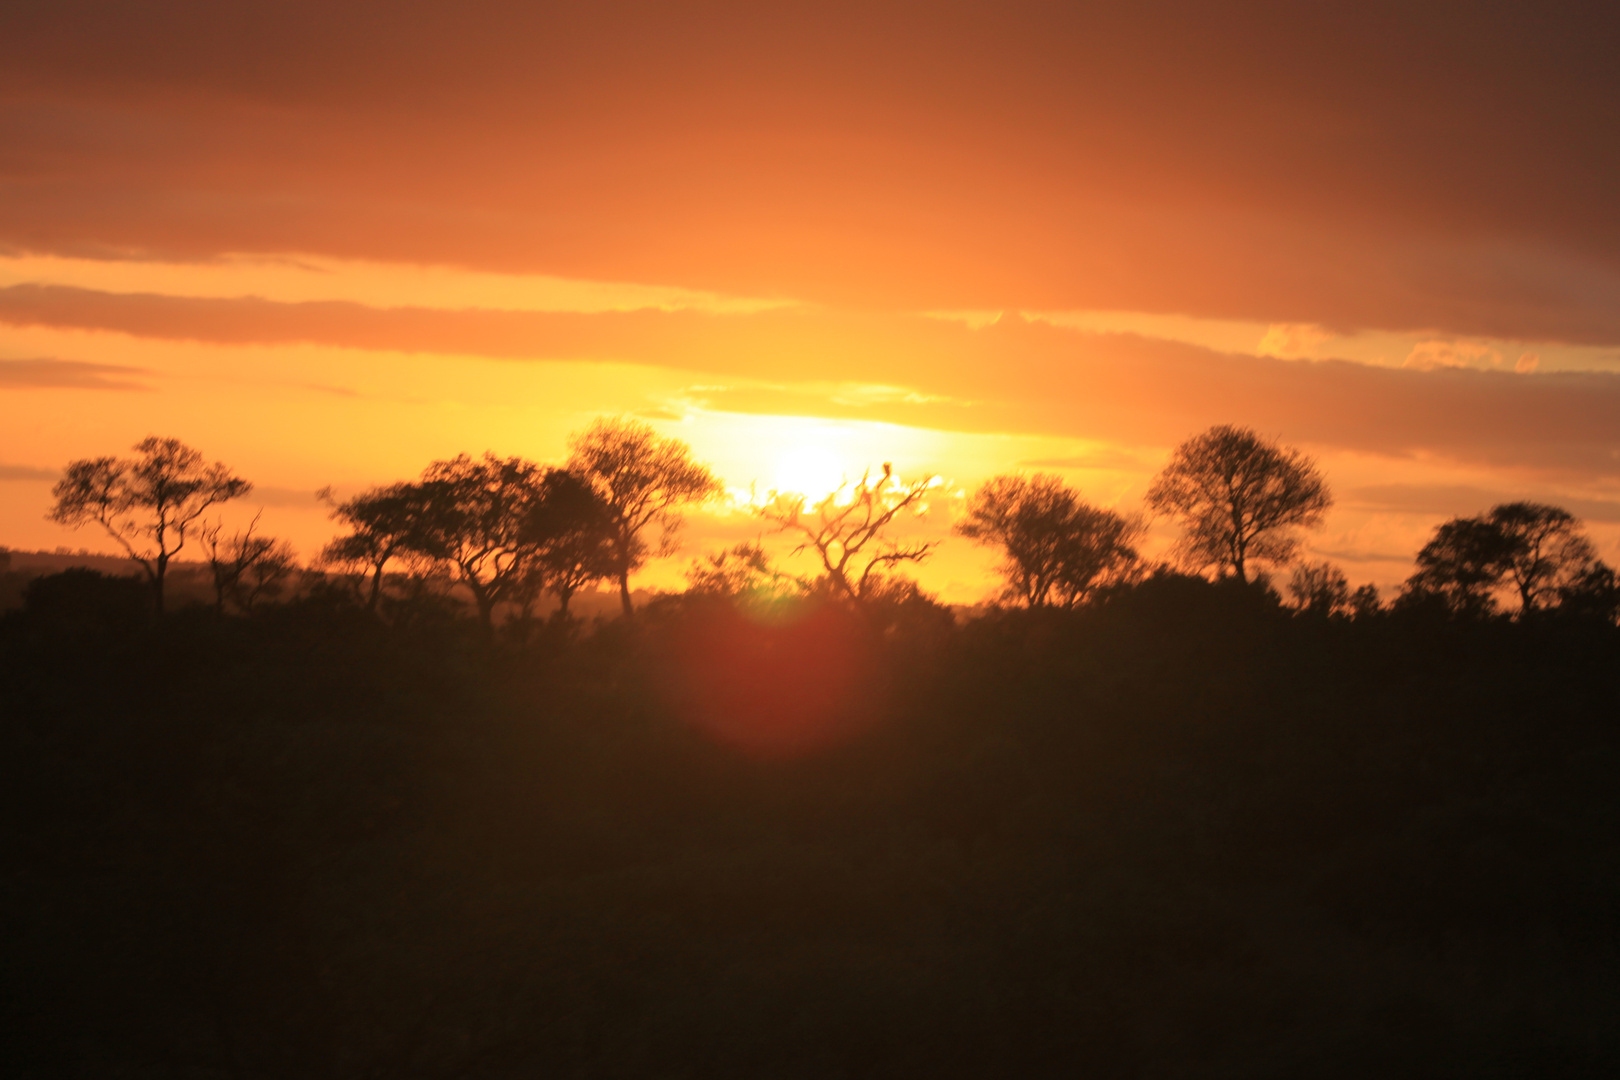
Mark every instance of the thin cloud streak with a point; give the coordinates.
(1014, 375)
(27, 473)
(1458, 500)
(50, 374)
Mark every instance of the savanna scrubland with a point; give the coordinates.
(1170, 826)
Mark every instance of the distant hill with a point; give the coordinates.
(189, 580)
(34, 563)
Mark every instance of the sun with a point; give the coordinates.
(809, 470)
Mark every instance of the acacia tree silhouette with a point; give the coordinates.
(1239, 497)
(1538, 549)
(1459, 568)
(847, 534)
(383, 525)
(574, 542)
(643, 479)
(1057, 547)
(479, 518)
(1545, 549)
(148, 504)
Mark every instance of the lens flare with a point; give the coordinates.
(774, 690)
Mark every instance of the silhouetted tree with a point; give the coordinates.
(1239, 498)
(1594, 593)
(148, 504)
(267, 574)
(1320, 589)
(383, 523)
(573, 535)
(1057, 548)
(845, 530)
(479, 520)
(246, 567)
(1537, 550)
(1459, 568)
(1544, 550)
(1365, 601)
(643, 479)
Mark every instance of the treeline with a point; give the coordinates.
(1131, 823)
(509, 532)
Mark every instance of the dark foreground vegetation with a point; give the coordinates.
(1179, 832)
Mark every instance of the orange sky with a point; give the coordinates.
(329, 242)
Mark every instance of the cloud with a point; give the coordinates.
(1350, 556)
(27, 473)
(1025, 156)
(1104, 459)
(1428, 355)
(334, 391)
(845, 401)
(1461, 500)
(49, 374)
(1015, 375)
(1292, 340)
(270, 495)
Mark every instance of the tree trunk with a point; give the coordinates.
(624, 594)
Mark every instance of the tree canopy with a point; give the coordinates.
(479, 521)
(1239, 499)
(149, 503)
(1322, 589)
(1537, 551)
(383, 526)
(246, 566)
(1057, 548)
(1545, 550)
(507, 529)
(573, 537)
(643, 479)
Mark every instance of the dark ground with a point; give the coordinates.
(1182, 835)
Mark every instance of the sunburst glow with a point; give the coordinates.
(809, 469)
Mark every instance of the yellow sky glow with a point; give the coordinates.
(296, 417)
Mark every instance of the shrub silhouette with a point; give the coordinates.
(79, 602)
